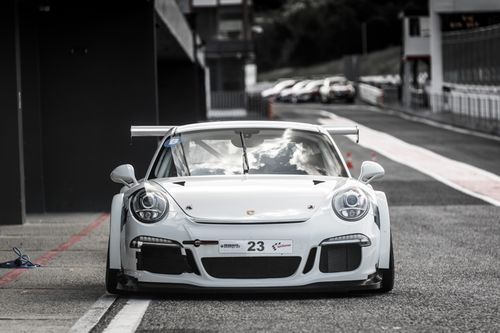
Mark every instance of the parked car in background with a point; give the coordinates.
(308, 93)
(277, 88)
(337, 88)
(286, 95)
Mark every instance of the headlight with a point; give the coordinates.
(351, 204)
(149, 206)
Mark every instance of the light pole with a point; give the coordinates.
(364, 38)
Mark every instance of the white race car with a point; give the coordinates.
(249, 206)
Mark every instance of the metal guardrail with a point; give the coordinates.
(479, 106)
(478, 111)
(468, 109)
(239, 105)
(419, 99)
(225, 100)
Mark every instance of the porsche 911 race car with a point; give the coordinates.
(249, 206)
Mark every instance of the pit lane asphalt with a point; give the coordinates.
(52, 298)
(447, 259)
(447, 266)
(480, 152)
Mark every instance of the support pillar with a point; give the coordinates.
(177, 104)
(436, 53)
(11, 144)
(406, 83)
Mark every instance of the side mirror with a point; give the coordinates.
(370, 171)
(124, 174)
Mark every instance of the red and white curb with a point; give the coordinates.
(13, 274)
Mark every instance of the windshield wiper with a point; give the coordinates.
(245, 157)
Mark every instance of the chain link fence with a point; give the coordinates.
(472, 56)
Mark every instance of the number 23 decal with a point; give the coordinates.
(252, 246)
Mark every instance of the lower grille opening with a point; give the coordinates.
(165, 260)
(339, 258)
(251, 267)
(310, 260)
(191, 262)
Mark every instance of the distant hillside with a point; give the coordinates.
(376, 63)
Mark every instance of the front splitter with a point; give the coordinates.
(372, 283)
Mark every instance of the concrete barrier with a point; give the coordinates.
(370, 94)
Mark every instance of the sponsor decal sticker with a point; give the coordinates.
(256, 246)
(230, 246)
(172, 141)
(280, 245)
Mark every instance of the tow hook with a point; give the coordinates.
(198, 242)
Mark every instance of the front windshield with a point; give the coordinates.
(268, 151)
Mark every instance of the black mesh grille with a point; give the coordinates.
(251, 267)
(191, 262)
(164, 260)
(339, 258)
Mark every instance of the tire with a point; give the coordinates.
(111, 278)
(388, 274)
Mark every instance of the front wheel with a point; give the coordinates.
(111, 278)
(388, 274)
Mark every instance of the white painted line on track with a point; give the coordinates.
(435, 123)
(416, 119)
(93, 315)
(463, 177)
(129, 317)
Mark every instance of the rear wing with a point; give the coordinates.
(149, 130)
(335, 130)
(163, 130)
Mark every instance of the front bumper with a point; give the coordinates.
(341, 95)
(307, 97)
(309, 274)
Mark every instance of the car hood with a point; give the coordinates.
(257, 199)
(269, 92)
(309, 90)
(286, 92)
